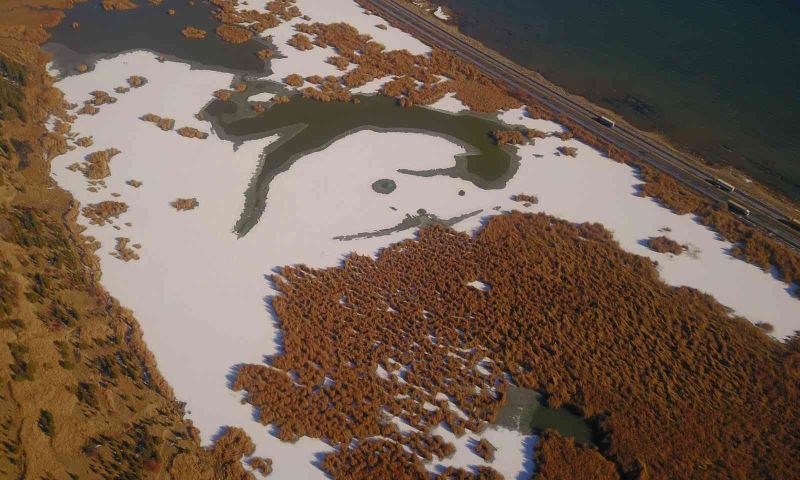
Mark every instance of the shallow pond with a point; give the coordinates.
(307, 126)
(101, 34)
(526, 412)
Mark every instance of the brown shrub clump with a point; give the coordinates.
(109, 5)
(485, 450)
(665, 375)
(134, 183)
(123, 252)
(565, 135)
(265, 53)
(122, 89)
(663, 244)
(136, 81)
(559, 458)
(262, 465)
(182, 204)
(258, 107)
(223, 95)
(102, 213)
(84, 142)
(374, 460)
(96, 164)
(162, 123)
(234, 33)
(88, 109)
(568, 151)
(315, 79)
(330, 90)
(300, 42)
(766, 326)
(533, 133)
(509, 137)
(192, 32)
(524, 198)
(476, 91)
(280, 99)
(339, 62)
(294, 80)
(192, 132)
(171, 11)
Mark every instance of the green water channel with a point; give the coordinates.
(306, 126)
(526, 412)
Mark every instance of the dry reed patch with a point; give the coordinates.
(137, 81)
(525, 198)
(123, 252)
(102, 212)
(373, 61)
(509, 137)
(533, 133)
(195, 33)
(165, 124)
(191, 132)
(568, 151)
(300, 42)
(234, 33)
(223, 95)
(662, 244)
(485, 450)
(265, 53)
(99, 97)
(88, 109)
(109, 5)
(262, 465)
(664, 373)
(294, 80)
(559, 458)
(84, 142)
(182, 204)
(96, 165)
(280, 99)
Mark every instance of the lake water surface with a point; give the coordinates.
(720, 77)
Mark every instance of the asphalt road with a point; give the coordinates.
(680, 167)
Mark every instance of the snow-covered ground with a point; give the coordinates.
(440, 14)
(199, 292)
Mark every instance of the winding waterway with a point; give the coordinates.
(306, 126)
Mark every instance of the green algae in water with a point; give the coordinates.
(307, 126)
(526, 413)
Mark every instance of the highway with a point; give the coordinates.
(673, 163)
